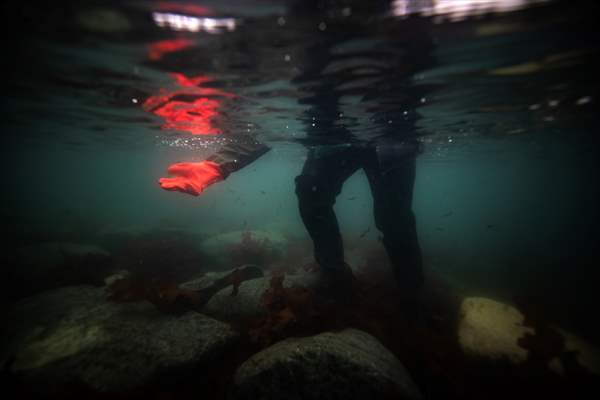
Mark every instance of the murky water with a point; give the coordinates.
(498, 98)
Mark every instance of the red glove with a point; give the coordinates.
(191, 178)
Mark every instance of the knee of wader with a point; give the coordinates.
(312, 191)
(394, 219)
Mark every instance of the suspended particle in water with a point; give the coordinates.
(281, 21)
(583, 100)
(322, 26)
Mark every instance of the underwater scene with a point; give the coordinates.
(300, 199)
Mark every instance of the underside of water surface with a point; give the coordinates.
(313, 199)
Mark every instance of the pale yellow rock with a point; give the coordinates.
(492, 329)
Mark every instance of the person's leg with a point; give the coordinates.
(392, 188)
(317, 187)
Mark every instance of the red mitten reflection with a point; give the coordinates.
(191, 178)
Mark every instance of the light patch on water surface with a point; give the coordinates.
(458, 10)
(179, 22)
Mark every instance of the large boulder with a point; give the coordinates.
(74, 335)
(347, 365)
(246, 303)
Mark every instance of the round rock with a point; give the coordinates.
(350, 364)
(246, 304)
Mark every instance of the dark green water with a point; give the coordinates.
(505, 105)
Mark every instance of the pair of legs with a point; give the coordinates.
(391, 176)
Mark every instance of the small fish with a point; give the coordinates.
(439, 229)
(449, 213)
(362, 235)
(263, 192)
(352, 198)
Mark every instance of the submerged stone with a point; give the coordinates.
(210, 279)
(350, 364)
(74, 335)
(243, 306)
(246, 304)
(492, 330)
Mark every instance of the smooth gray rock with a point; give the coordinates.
(205, 281)
(74, 335)
(347, 365)
(246, 304)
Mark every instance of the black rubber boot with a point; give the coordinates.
(337, 284)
